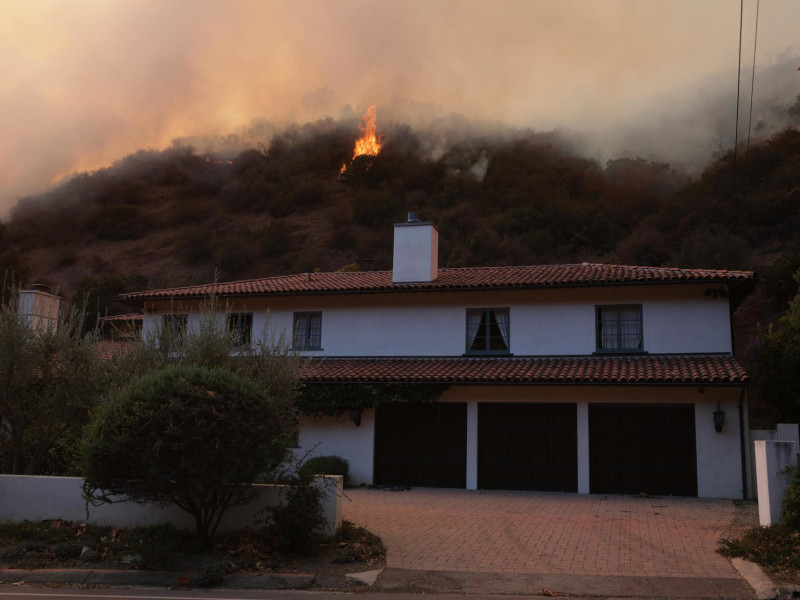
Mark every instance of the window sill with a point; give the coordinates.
(619, 352)
(499, 353)
(308, 349)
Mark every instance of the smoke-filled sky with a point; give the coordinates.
(84, 83)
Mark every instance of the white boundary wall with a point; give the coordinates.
(34, 498)
(772, 458)
(784, 432)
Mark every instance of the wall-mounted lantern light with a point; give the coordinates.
(719, 418)
(355, 416)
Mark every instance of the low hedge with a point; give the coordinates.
(326, 465)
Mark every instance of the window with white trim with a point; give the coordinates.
(619, 328)
(307, 333)
(488, 331)
(240, 326)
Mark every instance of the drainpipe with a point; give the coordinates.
(742, 443)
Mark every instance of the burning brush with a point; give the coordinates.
(368, 144)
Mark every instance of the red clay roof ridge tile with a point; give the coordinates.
(586, 370)
(461, 278)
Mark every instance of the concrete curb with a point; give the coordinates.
(584, 586)
(367, 578)
(166, 579)
(756, 578)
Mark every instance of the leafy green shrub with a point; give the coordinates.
(325, 465)
(297, 524)
(50, 378)
(791, 500)
(185, 435)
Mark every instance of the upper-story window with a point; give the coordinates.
(488, 331)
(307, 333)
(240, 326)
(619, 328)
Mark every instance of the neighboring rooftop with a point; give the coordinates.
(639, 370)
(126, 318)
(460, 279)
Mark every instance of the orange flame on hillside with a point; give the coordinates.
(368, 144)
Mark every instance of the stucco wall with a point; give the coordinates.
(35, 498)
(330, 436)
(676, 319)
(719, 473)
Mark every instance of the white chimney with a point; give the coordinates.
(39, 307)
(416, 251)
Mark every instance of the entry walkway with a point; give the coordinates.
(546, 533)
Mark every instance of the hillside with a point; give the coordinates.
(178, 217)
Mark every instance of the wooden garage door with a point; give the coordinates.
(527, 447)
(642, 449)
(421, 444)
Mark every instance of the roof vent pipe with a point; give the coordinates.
(413, 217)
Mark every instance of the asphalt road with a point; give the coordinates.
(28, 592)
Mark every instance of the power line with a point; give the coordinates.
(738, 88)
(752, 83)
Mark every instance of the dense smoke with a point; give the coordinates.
(84, 86)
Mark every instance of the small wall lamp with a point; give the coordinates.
(719, 418)
(355, 416)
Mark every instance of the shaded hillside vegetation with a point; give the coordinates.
(178, 217)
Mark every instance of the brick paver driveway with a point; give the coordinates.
(536, 532)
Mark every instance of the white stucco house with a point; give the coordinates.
(587, 378)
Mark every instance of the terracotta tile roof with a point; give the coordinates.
(111, 348)
(126, 318)
(650, 369)
(469, 278)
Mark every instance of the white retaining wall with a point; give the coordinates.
(784, 432)
(35, 498)
(772, 459)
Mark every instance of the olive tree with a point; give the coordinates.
(208, 342)
(187, 435)
(51, 374)
(777, 364)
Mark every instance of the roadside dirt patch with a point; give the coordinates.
(57, 544)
